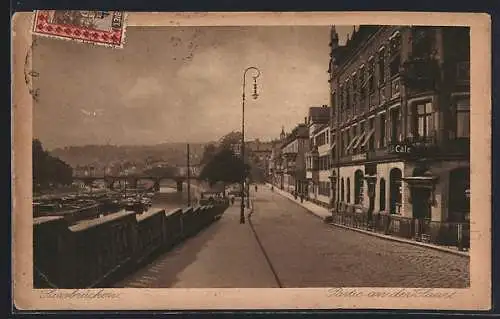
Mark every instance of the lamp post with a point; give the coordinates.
(254, 95)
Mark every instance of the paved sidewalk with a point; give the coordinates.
(322, 213)
(312, 208)
(224, 255)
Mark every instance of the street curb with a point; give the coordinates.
(405, 241)
(392, 238)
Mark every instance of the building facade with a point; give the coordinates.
(276, 170)
(400, 128)
(318, 158)
(293, 150)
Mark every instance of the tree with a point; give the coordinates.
(230, 139)
(224, 167)
(48, 169)
(208, 153)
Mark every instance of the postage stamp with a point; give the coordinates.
(98, 27)
(227, 161)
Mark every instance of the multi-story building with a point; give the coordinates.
(293, 151)
(400, 126)
(318, 157)
(276, 162)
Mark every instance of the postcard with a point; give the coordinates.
(208, 161)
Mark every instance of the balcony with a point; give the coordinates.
(420, 73)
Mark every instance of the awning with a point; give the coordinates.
(361, 137)
(367, 137)
(352, 142)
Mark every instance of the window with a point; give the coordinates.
(362, 84)
(371, 138)
(348, 186)
(354, 93)
(334, 148)
(463, 118)
(394, 65)
(348, 99)
(341, 101)
(382, 194)
(381, 66)
(382, 130)
(358, 187)
(395, 176)
(371, 77)
(424, 118)
(342, 197)
(395, 60)
(395, 125)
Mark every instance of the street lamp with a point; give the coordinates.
(254, 95)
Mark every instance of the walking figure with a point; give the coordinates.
(256, 188)
(295, 194)
(301, 197)
(232, 200)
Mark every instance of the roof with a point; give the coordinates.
(343, 53)
(300, 131)
(319, 114)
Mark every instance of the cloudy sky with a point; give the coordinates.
(178, 84)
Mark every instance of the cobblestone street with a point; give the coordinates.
(302, 251)
(308, 253)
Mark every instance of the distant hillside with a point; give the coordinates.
(172, 153)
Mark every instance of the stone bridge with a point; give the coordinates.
(132, 180)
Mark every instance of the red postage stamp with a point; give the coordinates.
(98, 27)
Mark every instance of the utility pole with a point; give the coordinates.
(188, 177)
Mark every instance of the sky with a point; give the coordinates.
(179, 84)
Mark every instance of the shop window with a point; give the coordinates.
(463, 118)
(358, 187)
(382, 194)
(348, 186)
(395, 179)
(459, 204)
(342, 190)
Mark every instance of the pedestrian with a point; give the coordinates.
(301, 197)
(232, 200)
(295, 194)
(256, 188)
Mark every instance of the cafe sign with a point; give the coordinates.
(400, 148)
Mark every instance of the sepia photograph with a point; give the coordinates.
(327, 155)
